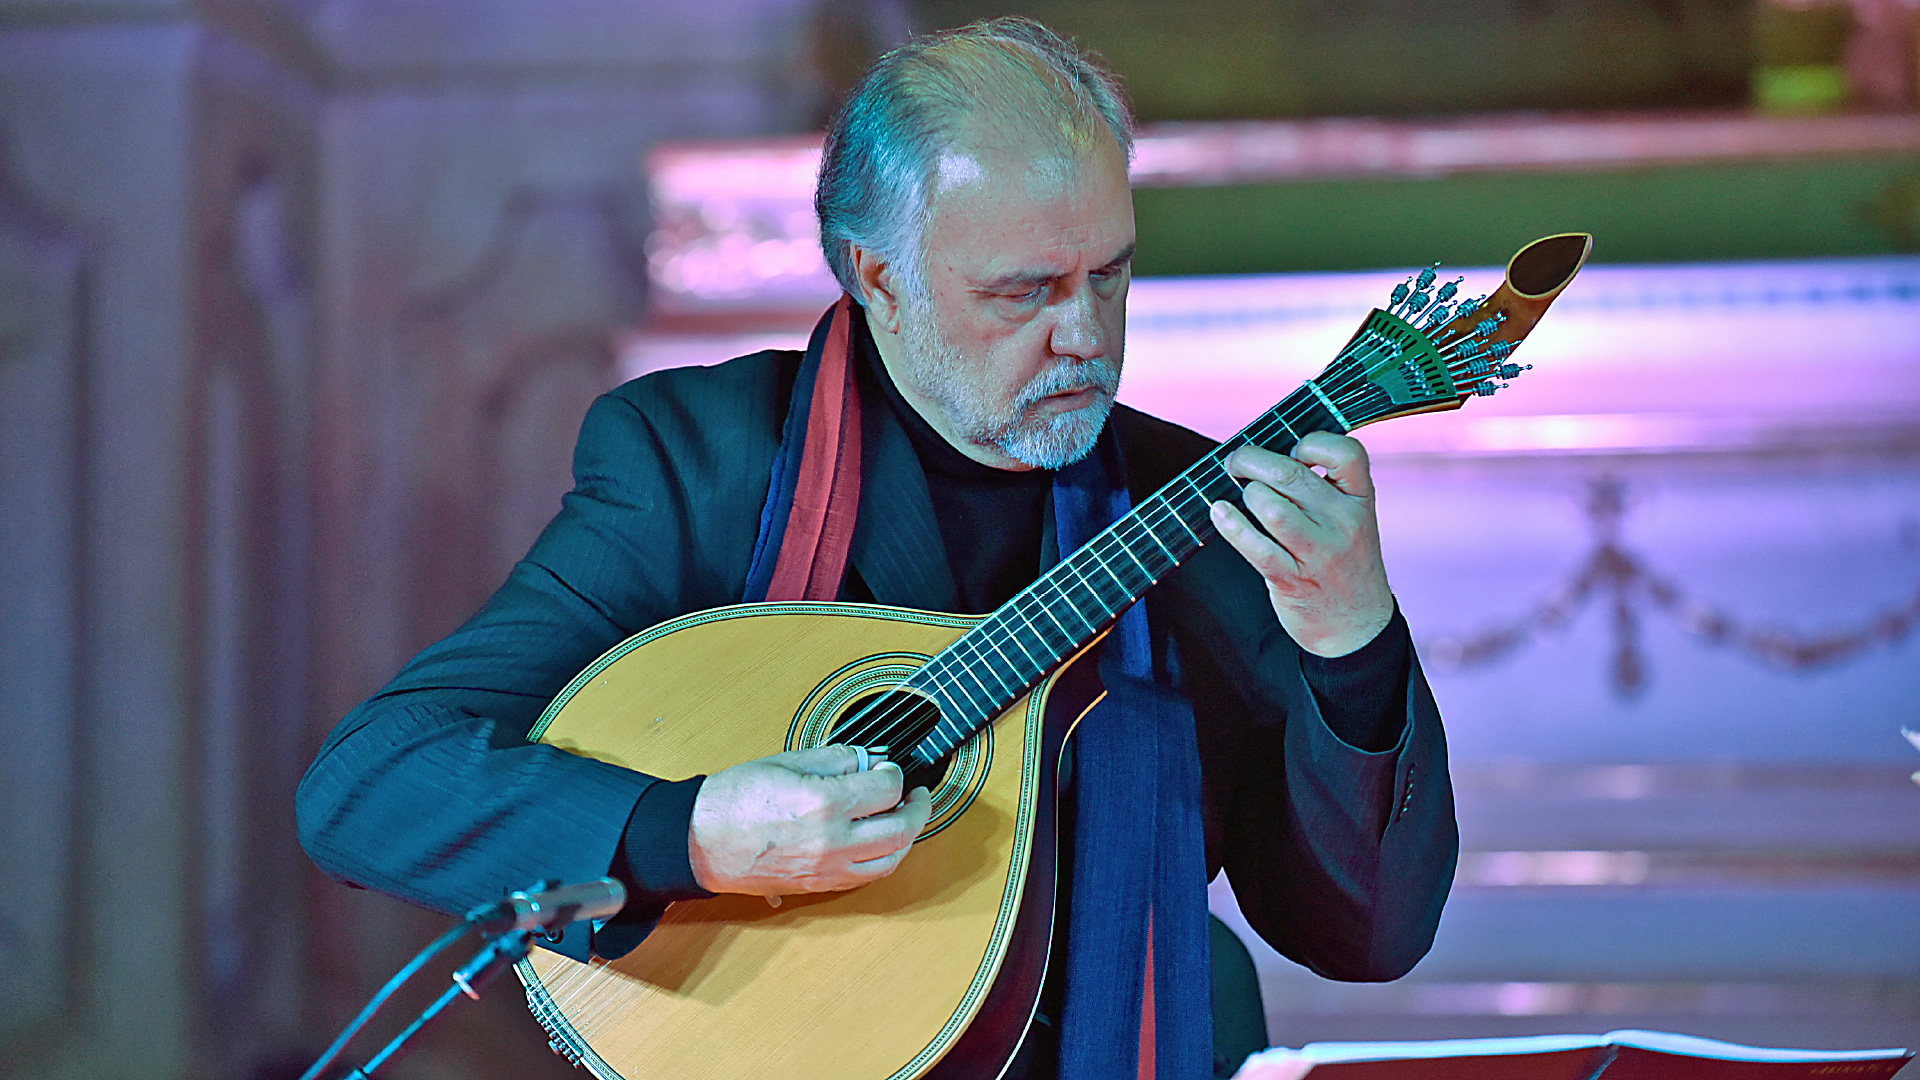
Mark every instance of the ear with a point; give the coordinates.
(882, 297)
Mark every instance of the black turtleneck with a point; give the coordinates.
(990, 519)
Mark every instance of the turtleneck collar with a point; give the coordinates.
(936, 454)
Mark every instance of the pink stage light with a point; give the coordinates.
(735, 219)
(1631, 358)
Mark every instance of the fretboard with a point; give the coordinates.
(1008, 653)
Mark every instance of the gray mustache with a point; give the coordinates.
(1073, 376)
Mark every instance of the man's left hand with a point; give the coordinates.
(1317, 543)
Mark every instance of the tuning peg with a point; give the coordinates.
(1426, 276)
(1451, 288)
(1512, 371)
(1416, 302)
(1486, 389)
(1400, 292)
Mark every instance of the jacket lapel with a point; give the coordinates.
(897, 548)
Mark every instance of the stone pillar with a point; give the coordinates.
(156, 208)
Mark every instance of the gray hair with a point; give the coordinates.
(885, 143)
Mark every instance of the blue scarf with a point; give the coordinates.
(1138, 839)
(1138, 842)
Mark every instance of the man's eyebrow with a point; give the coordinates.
(1125, 256)
(1034, 278)
(1029, 279)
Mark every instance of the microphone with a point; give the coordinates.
(550, 906)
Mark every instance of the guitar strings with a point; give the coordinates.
(1355, 370)
(601, 999)
(565, 989)
(1353, 373)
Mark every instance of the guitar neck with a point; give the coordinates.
(1008, 653)
(1425, 352)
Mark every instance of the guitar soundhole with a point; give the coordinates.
(894, 719)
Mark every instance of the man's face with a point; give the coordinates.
(1019, 340)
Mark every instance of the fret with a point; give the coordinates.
(1176, 509)
(1102, 560)
(1042, 637)
(987, 629)
(956, 707)
(1283, 423)
(1182, 522)
(1095, 593)
(1120, 531)
(1152, 578)
(949, 708)
(1171, 557)
(962, 687)
(1015, 636)
(1166, 544)
(1043, 640)
(1060, 587)
(991, 669)
(982, 661)
(1306, 409)
(1127, 543)
(1055, 618)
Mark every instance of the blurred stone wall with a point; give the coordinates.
(300, 305)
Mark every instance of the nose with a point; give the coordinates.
(1077, 329)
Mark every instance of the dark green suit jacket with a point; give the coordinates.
(430, 792)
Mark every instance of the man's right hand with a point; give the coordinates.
(803, 821)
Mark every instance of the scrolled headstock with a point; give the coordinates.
(1427, 351)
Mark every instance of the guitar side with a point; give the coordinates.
(877, 983)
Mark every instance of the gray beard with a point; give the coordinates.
(945, 378)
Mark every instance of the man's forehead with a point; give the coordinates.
(957, 169)
(1043, 157)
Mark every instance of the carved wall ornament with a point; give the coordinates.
(1623, 581)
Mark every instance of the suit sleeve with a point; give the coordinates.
(1340, 857)
(1335, 825)
(429, 791)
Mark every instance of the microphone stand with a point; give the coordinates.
(509, 927)
(501, 952)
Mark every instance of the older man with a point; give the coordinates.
(974, 204)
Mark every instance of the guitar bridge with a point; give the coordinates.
(561, 1038)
